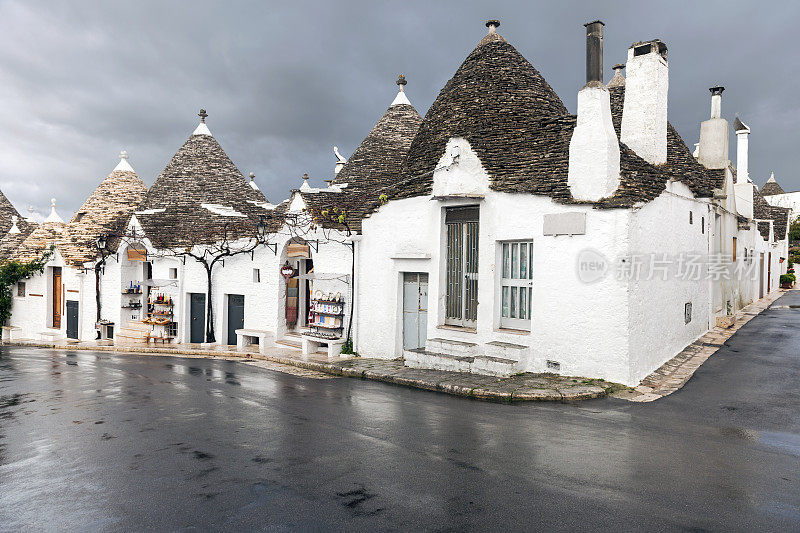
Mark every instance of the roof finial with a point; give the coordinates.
(401, 97)
(14, 228)
(252, 176)
(202, 114)
(53, 217)
(305, 186)
(123, 154)
(492, 24)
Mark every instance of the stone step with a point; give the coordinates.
(290, 342)
(476, 364)
(437, 361)
(448, 346)
(505, 350)
(493, 366)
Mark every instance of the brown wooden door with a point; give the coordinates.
(56, 297)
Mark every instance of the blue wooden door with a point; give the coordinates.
(197, 312)
(72, 319)
(235, 316)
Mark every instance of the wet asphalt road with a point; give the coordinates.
(97, 441)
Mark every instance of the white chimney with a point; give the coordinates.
(644, 115)
(713, 151)
(593, 150)
(340, 161)
(742, 141)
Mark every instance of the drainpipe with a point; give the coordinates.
(356, 260)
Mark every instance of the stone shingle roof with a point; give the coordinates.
(45, 235)
(374, 165)
(11, 242)
(521, 131)
(771, 188)
(779, 215)
(200, 198)
(497, 101)
(7, 212)
(106, 211)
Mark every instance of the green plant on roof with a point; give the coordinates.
(383, 199)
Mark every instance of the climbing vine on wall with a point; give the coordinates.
(12, 272)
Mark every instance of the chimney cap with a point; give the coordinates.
(618, 66)
(716, 90)
(595, 22)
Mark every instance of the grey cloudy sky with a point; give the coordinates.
(283, 82)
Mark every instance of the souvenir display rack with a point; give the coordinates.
(160, 313)
(134, 293)
(326, 316)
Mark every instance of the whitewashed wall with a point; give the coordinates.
(662, 229)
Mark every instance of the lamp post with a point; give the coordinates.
(102, 247)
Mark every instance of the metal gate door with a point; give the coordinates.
(72, 319)
(761, 277)
(415, 310)
(197, 312)
(235, 316)
(461, 307)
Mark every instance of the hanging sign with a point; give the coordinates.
(287, 271)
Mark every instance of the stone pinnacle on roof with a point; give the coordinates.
(253, 184)
(123, 164)
(14, 228)
(202, 129)
(492, 24)
(618, 80)
(305, 186)
(53, 216)
(772, 187)
(401, 97)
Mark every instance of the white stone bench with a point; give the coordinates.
(9, 333)
(311, 344)
(247, 337)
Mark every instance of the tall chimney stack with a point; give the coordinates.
(742, 142)
(714, 134)
(644, 114)
(594, 51)
(594, 149)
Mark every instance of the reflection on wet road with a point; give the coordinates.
(98, 441)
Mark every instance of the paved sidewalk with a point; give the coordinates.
(674, 374)
(528, 386)
(537, 387)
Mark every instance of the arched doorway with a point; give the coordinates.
(299, 284)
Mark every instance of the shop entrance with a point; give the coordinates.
(299, 285)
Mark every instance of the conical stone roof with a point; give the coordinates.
(772, 187)
(200, 197)
(493, 101)
(106, 211)
(376, 164)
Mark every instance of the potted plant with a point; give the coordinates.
(787, 281)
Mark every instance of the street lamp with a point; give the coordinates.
(261, 228)
(102, 243)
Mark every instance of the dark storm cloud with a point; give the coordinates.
(284, 82)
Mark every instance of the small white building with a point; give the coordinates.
(63, 301)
